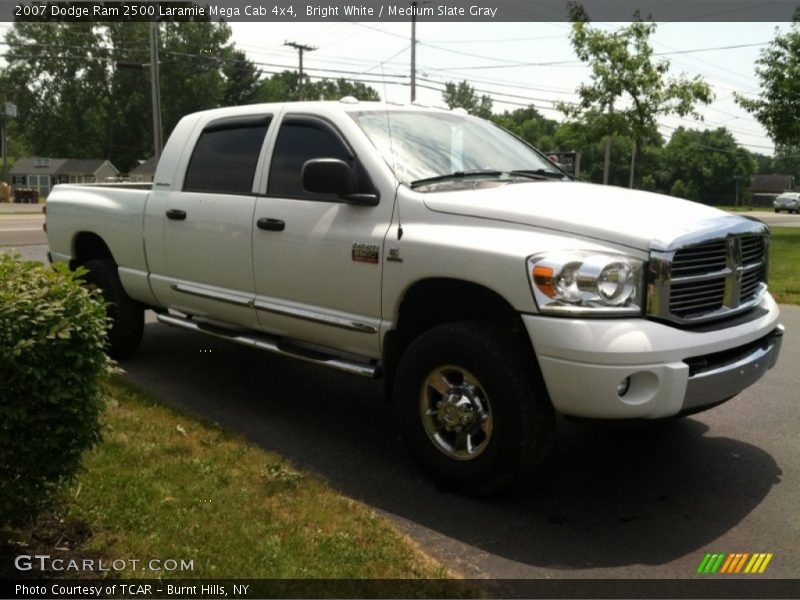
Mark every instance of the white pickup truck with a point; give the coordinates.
(441, 253)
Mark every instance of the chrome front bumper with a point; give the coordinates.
(718, 377)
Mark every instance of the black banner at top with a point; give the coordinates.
(390, 10)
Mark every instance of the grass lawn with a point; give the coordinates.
(163, 485)
(784, 264)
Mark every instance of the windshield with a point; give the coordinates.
(419, 145)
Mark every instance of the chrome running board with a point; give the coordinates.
(276, 346)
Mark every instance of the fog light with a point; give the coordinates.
(623, 387)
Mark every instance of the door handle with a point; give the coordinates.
(176, 215)
(271, 224)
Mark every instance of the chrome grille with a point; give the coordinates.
(752, 249)
(688, 299)
(751, 282)
(696, 260)
(711, 278)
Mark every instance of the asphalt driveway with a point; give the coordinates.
(614, 502)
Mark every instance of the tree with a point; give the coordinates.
(241, 80)
(15, 146)
(529, 124)
(704, 165)
(778, 69)
(57, 77)
(191, 68)
(284, 87)
(129, 113)
(281, 87)
(586, 135)
(83, 89)
(463, 95)
(625, 76)
(786, 160)
(335, 89)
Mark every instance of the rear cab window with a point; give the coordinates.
(226, 155)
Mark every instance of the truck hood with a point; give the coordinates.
(632, 218)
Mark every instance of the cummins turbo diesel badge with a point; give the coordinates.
(363, 252)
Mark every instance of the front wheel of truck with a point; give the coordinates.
(470, 408)
(126, 316)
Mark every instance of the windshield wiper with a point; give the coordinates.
(539, 173)
(457, 175)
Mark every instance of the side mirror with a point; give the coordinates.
(333, 176)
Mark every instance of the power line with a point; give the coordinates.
(511, 64)
(503, 40)
(383, 62)
(671, 128)
(501, 97)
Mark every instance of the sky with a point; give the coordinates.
(495, 58)
(488, 55)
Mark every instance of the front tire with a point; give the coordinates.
(126, 316)
(471, 406)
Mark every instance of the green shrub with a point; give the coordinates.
(51, 362)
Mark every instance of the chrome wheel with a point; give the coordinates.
(456, 412)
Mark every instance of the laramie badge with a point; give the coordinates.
(368, 253)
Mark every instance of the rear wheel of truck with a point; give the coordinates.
(126, 316)
(470, 407)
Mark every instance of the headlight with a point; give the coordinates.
(586, 283)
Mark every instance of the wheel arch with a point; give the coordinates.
(430, 302)
(86, 246)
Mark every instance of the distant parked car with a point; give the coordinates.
(789, 202)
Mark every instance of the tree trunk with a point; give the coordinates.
(607, 158)
(633, 163)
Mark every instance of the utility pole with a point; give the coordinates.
(155, 86)
(300, 49)
(9, 110)
(413, 51)
(737, 178)
(4, 142)
(607, 158)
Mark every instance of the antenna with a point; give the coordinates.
(391, 151)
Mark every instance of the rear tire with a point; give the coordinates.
(126, 316)
(471, 408)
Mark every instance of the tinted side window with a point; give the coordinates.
(299, 141)
(225, 158)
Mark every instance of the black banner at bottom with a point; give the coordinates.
(211, 589)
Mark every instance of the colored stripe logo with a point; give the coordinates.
(737, 562)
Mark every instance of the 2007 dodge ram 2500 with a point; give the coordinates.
(440, 252)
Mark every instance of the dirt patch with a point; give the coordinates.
(49, 535)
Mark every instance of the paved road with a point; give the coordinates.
(613, 503)
(774, 219)
(20, 229)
